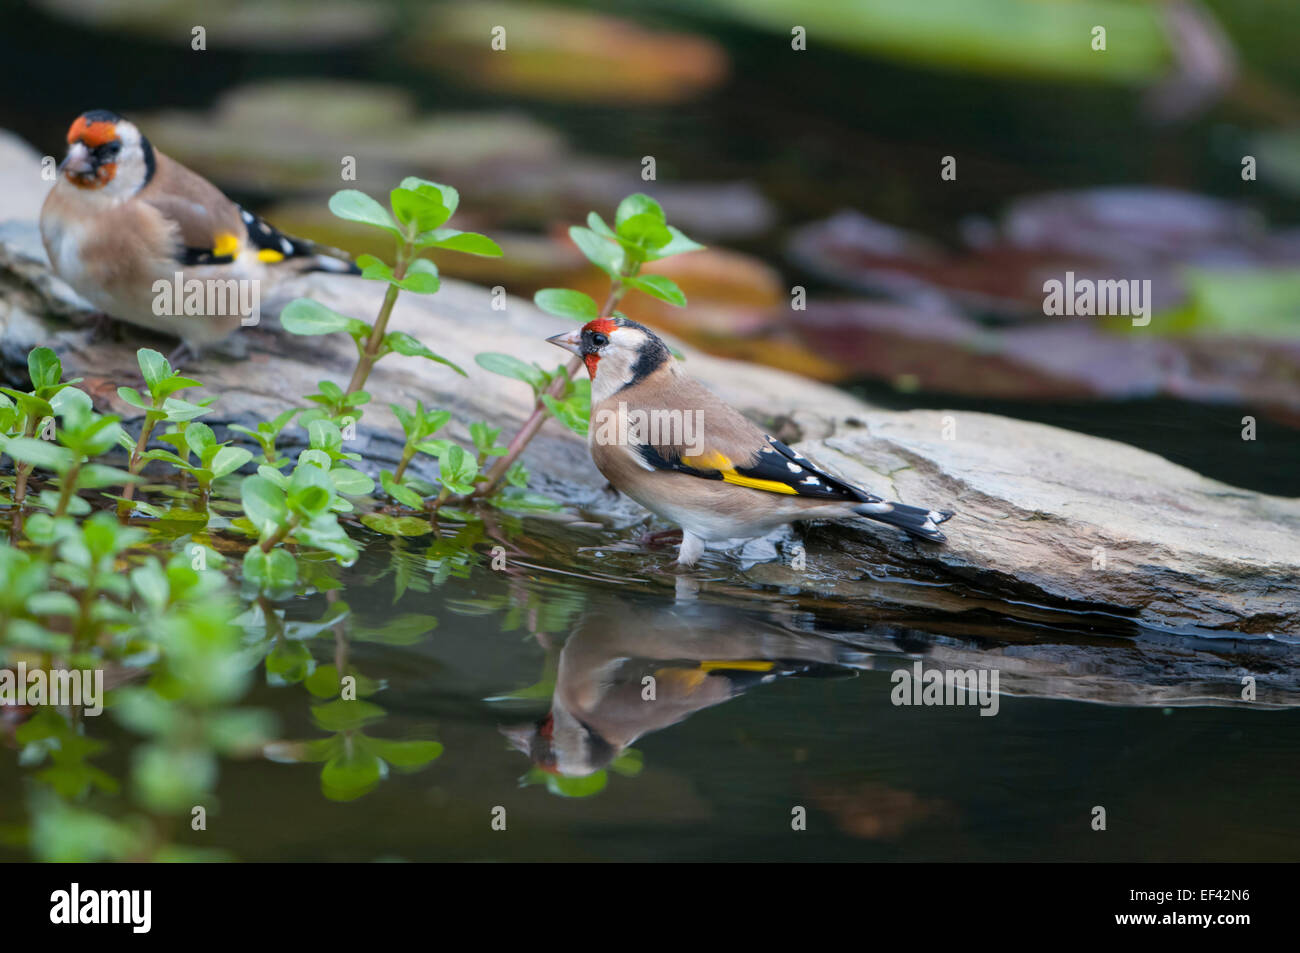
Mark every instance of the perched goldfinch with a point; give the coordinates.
(674, 447)
(151, 243)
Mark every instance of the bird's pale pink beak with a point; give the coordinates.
(569, 340)
(77, 161)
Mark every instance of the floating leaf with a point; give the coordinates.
(397, 525)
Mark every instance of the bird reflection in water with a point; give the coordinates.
(628, 670)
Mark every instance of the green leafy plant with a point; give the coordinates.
(267, 434)
(215, 460)
(419, 209)
(299, 507)
(26, 413)
(161, 382)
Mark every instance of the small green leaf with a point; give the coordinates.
(351, 482)
(406, 755)
(228, 460)
(568, 414)
(39, 453)
(470, 243)
(341, 715)
(397, 525)
(645, 231)
(132, 397)
(95, 476)
(274, 570)
(421, 207)
(179, 411)
(457, 469)
(400, 492)
(566, 303)
(153, 367)
(658, 286)
(508, 366)
(305, 316)
(43, 367)
(605, 255)
(199, 438)
(403, 343)
(637, 204)
(310, 490)
(421, 277)
(351, 775)
(450, 197)
(264, 502)
(679, 245)
(374, 269)
(356, 206)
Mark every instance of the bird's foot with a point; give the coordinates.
(102, 327)
(182, 352)
(660, 538)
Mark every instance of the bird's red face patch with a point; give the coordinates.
(93, 134)
(599, 326)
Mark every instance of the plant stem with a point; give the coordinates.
(278, 537)
(24, 470)
(65, 492)
(527, 431)
(133, 467)
(408, 452)
(370, 353)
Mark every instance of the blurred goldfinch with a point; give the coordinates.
(123, 216)
(727, 480)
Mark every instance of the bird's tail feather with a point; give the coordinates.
(915, 520)
(338, 266)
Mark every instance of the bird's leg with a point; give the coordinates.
(182, 352)
(652, 540)
(691, 550)
(101, 326)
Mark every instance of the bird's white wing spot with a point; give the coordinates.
(286, 246)
(795, 468)
(812, 481)
(641, 461)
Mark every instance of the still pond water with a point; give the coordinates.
(766, 701)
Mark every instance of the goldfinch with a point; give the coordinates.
(678, 450)
(130, 230)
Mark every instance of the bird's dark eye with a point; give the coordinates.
(599, 340)
(108, 150)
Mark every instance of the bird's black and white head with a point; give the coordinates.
(107, 155)
(618, 352)
(561, 744)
